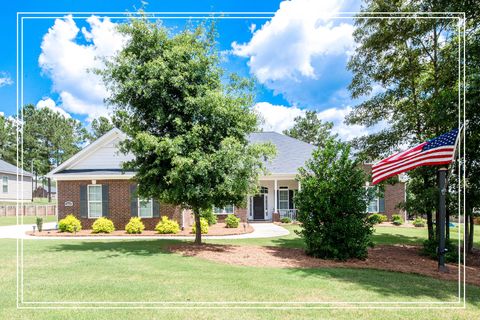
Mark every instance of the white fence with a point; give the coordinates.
(288, 213)
(28, 210)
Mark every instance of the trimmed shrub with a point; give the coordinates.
(397, 220)
(69, 224)
(430, 249)
(286, 220)
(39, 223)
(419, 222)
(135, 226)
(203, 226)
(377, 218)
(167, 226)
(103, 225)
(209, 215)
(232, 221)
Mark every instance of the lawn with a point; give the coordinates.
(142, 270)
(10, 221)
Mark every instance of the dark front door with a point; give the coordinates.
(258, 207)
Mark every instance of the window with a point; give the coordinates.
(145, 208)
(283, 200)
(95, 201)
(5, 184)
(229, 209)
(377, 204)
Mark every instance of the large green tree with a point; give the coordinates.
(412, 59)
(8, 140)
(49, 138)
(100, 126)
(186, 127)
(311, 129)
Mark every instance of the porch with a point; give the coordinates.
(274, 200)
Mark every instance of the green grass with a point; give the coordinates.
(142, 270)
(10, 221)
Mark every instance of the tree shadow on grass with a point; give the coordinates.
(119, 247)
(388, 238)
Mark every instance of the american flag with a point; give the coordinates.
(437, 151)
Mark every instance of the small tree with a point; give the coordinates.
(332, 204)
(187, 125)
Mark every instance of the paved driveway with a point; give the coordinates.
(260, 230)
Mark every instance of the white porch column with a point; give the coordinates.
(299, 186)
(275, 187)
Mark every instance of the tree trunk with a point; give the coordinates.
(447, 223)
(470, 233)
(198, 229)
(466, 228)
(428, 212)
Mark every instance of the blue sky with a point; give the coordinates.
(298, 55)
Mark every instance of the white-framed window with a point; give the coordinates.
(229, 209)
(5, 184)
(283, 199)
(377, 204)
(94, 198)
(145, 208)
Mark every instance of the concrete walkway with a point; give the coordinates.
(260, 230)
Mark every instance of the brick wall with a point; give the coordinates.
(119, 204)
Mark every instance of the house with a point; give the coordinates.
(13, 189)
(92, 184)
(42, 192)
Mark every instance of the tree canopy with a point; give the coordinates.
(100, 126)
(311, 129)
(187, 125)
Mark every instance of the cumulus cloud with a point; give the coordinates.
(68, 62)
(5, 79)
(278, 118)
(50, 104)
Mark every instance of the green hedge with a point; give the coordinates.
(69, 224)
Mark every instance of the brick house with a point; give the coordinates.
(91, 184)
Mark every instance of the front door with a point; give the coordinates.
(258, 207)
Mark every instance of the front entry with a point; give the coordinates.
(259, 207)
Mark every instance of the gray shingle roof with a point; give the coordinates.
(291, 153)
(6, 167)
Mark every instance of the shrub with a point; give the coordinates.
(135, 226)
(69, 224)
(430, 249)
(397, 219)
(39, 223)
(166, 226)
(377, 218)
(203, 226)
(333, 229)
(209, 215)
(286, 220)
(419, 222)
(103, 225)
(232, 221)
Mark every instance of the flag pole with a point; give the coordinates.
(441, 223)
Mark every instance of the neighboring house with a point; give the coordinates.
(42, 192)
(11, 188)
(91, 184)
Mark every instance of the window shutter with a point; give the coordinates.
(105, 201)
(381, 205)
(83, 202)
(133, 200)
(156, 208)
(278, 200)
(290, 199)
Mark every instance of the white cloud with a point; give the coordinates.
(278, 118)
(300, 31)
(5, 79)
(68, 62)
(50, 104)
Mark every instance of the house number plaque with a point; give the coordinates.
(68, 203)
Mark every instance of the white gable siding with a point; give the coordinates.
(24, 188)
(106, 156)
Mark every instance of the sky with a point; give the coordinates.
(297, 53)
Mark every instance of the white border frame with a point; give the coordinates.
(22, 304)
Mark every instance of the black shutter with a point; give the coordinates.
(133, 200)
(278, 200)
(105, 200)
(290, 199)
(381, 205)
(156, 208)
(83, 202)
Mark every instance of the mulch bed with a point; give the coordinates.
(218, 229)
(399, 258)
